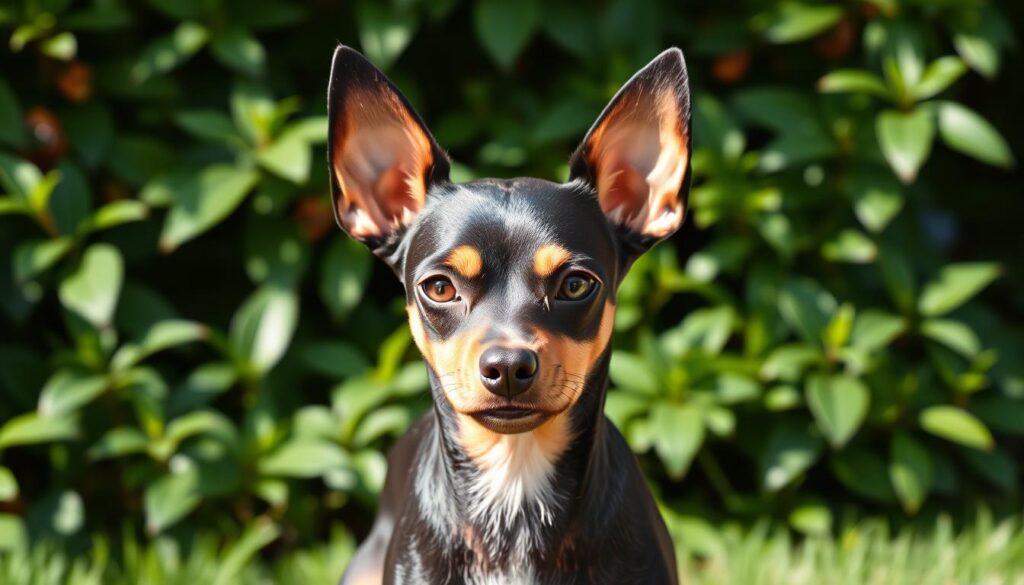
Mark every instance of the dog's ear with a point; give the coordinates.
(382, 158)
(637, 155)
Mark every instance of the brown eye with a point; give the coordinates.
(575, 287)
(439, 289)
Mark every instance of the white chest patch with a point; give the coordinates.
(515, 475)
(516, 469)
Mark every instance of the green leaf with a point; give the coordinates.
(68, 513)
(1001, 413)
(32, 428)
(792, 21)
(336, 359)
(169, 51)
(979, 37)
(940, 74)
(807, 307)
(906, 140)
(8, 485)
(12, 127)
(200, 422)
(160, 336)
(911, 471)
(33, 257)
(954, 335)
(13, 535)
(864, 473)
(877, 198)
(116, 213)
(850, 246)
(345, 273)
(382, 422)
(504, 27)
(90, 131)
(136, 159)
(853, 81)
(239, 50)
(839, 405)
(262, 328)
(874, 330)
(93, 288)
(210, 125)
(956, 284)
(288, 157)
(787, 362)
(630, 372)
(964, 130)
(898, 276)
(789, 450)
(239, 555)
(118, 442)
(385, 30)
(957, 425)
(171, 498)
(67, 391)
(69, 204)
(678, 435)
(811, 518)
(61, 46)
(996, 466)
(203, 201)
(731, 388)
(304, 457)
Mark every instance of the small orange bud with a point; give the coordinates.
(838, 42)
(314, 216)
(74, 81)
(731, 67)
(47, 136)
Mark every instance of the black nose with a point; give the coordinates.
(507, 371)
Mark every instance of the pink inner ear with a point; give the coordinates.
(380, 164)
(640, 154)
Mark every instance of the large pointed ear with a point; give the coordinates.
(637, 155)
(383, 159)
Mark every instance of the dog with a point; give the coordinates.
(516, 476)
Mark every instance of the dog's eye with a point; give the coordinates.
(439, 289)
(575, 287)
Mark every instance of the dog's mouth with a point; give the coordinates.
(510, 420)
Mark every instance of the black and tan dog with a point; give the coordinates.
(516, 476)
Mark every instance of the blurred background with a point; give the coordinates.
(822, 374)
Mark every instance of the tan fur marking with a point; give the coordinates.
(455, 361)
(466, 261)
(375, 578)
(549, 258)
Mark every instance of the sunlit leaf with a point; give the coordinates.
(906, 140)
(93, 288)
(504, 27)
(957, 425)
(910, 470)
(964, 130)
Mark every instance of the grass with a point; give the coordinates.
(868, 553)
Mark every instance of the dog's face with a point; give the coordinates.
(510, 284)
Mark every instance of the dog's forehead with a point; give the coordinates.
(508, 221)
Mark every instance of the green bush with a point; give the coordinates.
(188, 345)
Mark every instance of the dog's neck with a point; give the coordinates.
(516, 502)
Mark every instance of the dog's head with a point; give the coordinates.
(510, 284)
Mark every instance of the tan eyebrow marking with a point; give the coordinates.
(466, 261)
(548, 258)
